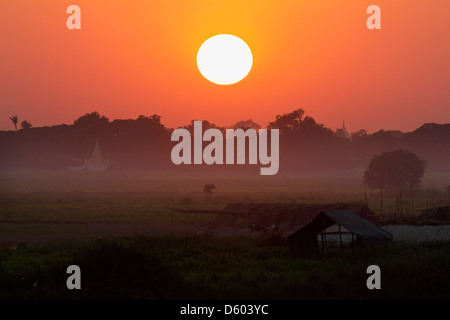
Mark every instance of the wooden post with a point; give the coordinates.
(401, 205)
(397, 207)
(381, 197)
(323, 244)
(353, 245)
(432, 200)
(448, 203)
(324, 237)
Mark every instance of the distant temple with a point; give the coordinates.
(343, 133)
(96, 162)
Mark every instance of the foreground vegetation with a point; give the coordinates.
(208, 267)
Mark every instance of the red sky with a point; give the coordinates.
(135, 57)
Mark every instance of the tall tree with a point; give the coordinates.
(92, 119)
(246, 124)
(14, 120)
(394, 169)
(288, 122)
(209, 189)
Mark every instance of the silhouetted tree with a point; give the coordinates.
(155, 118)
(205, 125)
(246, 124)
(26, 124)
(295, 123)
(358, 134)
(395, 168)
(14, 120)
(209, 189)
(288, 122)
(91, 119)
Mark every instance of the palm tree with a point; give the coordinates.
(14, 120)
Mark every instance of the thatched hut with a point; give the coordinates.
(304, 243)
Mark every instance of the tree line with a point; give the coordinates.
(144, 144)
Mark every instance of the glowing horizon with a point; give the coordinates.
(137, 57)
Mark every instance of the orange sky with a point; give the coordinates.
(136, 57)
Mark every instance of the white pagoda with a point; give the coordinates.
(96, 162)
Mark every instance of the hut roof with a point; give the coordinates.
(349, 220)
(280, 207)
(303, 212)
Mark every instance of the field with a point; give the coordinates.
(120, 229)
(203, 267)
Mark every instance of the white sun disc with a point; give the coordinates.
(224, 59)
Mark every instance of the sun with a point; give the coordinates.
(224, 59)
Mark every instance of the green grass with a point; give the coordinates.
(206, 267)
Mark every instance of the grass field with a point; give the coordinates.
(51, 220)
(40, 206)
